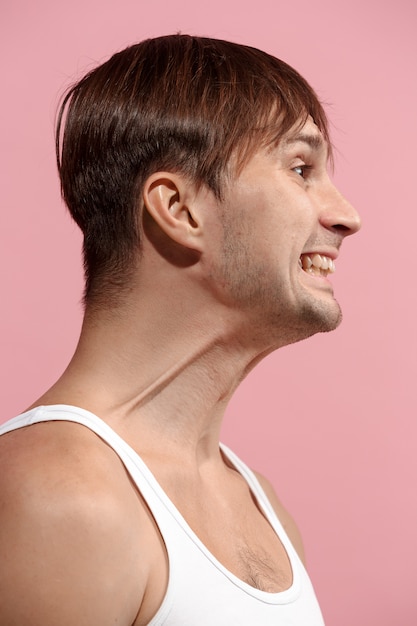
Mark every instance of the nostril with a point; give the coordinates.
(341, 227)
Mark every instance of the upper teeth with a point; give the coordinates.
(317, 264)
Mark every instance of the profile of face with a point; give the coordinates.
(283, 225)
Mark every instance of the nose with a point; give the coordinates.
(338, 215)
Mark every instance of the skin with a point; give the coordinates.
(160, 372)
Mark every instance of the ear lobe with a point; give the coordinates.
(168, 199)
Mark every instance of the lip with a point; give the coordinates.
(320, 282)
(330, 252)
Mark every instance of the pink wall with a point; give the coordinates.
(332, 421)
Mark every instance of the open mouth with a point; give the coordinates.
(317, 264)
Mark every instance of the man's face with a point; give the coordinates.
(284, 223)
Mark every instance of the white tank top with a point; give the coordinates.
(201, 591)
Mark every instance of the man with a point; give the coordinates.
(196, 169)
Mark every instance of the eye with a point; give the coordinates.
(302, 170)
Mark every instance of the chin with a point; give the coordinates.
(321, 318)
(313, 318)
(308, 321)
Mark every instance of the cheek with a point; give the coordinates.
(270, 220)
(281, 233)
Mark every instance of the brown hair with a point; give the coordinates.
(172, 103)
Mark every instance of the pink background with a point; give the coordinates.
(331, 421)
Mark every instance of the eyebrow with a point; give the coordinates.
(316, 142)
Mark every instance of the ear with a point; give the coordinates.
(170, 199)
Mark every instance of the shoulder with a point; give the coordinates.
(283, 515)
(71, 551)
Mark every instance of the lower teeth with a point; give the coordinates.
(315, 271)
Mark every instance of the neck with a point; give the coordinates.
(159, 372)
